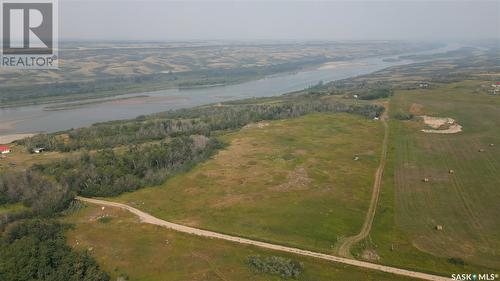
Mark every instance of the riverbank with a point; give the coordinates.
(10, 138)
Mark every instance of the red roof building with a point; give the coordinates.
(4, 149)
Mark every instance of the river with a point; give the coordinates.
(41, 118)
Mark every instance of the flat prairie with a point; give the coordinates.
(293, 182)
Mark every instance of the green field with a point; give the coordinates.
(123, 247)
(291, 182)
(464, 203)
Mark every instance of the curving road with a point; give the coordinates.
(147, 218)
(344, 249)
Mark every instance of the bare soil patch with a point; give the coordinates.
(416, 108)
(370, 255)
(441, 125)
(297, 179)
(257, 125)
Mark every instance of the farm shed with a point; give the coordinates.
(38, 150)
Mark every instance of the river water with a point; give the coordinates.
(39, 118)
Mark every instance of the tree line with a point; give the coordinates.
(32, 242)
(204, 120)
(110, 173)
(43, 196)
(36, 249)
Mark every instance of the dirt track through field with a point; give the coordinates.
(147, 218)
(344, 249)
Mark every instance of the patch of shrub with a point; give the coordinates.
(377, 94)
(286, 268)
(74, 206)
(403, 116)
(456, 261)
(104, 219)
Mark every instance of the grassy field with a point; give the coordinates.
(126, 248)
(464, 203)
(291, 182)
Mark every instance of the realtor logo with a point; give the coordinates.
(29, 34)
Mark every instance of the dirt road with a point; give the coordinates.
(147, 218)
(344, 250)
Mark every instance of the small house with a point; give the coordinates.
(4, 149)
(439, 227)
(355, 96)
(426, 180)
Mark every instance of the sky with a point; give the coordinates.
(278, 20)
